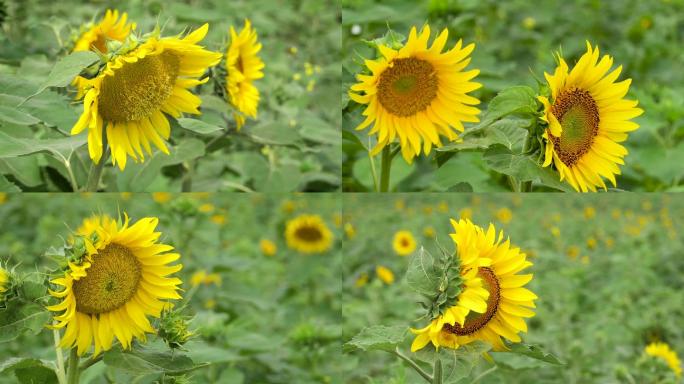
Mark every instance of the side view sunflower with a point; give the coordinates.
(492, 302)
(587, 118)
(308, 234)
(123, 278)
(403, 243)
(243, 66)
(417, 93)
(665, 353)
(95, 39)
(132, 94)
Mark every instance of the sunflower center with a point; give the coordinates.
(476, 321)
(111, 281)
(309, 234)
(138, 89)
(578, 114)
(404, 242)
(407, 87)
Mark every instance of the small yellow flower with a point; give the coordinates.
(308, 234)
(268, 248)
(399, 204)
(385, 274)
(443, 206)
(361, 280)
(288, 206)
(404, 244)
(591, 243)
(308, 69)
(162, 197)
(202, 277)
(504, 215)
(310, 85)
(219, 219)
(297, 76)
(529, 22)
(664, 352)
(293, 50)
(429, 232)
(466, 213)
(555, 231)
(573, 251)
(349, 230)
(589, 212)
(125, 195)
(206, 208)
(210, 304)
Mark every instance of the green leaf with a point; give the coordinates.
(14, 116)
(19, 317)
(29, 370)
(377, 338)
(518, 100)
(422, 275)
(145, 360)
(534, 351)
(67, 69)
(7, 186)
(198, 126)
(61, 148)
(272, 133)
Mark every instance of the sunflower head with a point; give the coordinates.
(95, 37)
(485, 295)
(417, 93)
(243, 67)
(109, 292)
(663, 352)
(127, 102)
(268, 247)
(308, 234)
(404, 243)
(587, 118)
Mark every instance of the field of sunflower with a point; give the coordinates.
(169, 96)
(257, 298)
(491, 96)
(596, 298)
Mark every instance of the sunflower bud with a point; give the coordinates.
(173, 328)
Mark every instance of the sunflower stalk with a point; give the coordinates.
(61, 376)
(73, 371)
(437, 371)
(414, 365)
(385, 168)
(96, 169)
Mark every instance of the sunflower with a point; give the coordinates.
(492, 302)
(417, 93)
(663, 352)
(95, 39)
(587, 118)
(4, 280)
(308, 234)
(122, 278)
(404, 243)
(135, 89)
(243, 67)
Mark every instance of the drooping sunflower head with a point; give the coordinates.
(123, 277)
(136, 89)
(491, 300)
(587, 117)
(243, 67)
(403, 243)
(665, 353)
(417, 93)
(308, 234)
(95, 38)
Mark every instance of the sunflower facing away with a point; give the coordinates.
(95, 39)
(404, 243)
(492, 302)
(123, 278)
(417, 93)
(243, 67)
(587, 118)
(132, 94)
(663, 352)
(308, 234)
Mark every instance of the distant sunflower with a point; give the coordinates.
(404, 243)
(4, 280)
(122, 279)
(308, 234)
(587, 116)
(417, 93)
(663, 352)
(130, 96)
(95, 39)
(243, 67)
(492, 302)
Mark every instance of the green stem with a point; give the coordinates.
(385, 168)
(437, 371)
(374, 173)
(73, 372)
(61, 376)
(188, 168)
(96, 169)
(92, 361)
(483, 374)
(414, 365)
